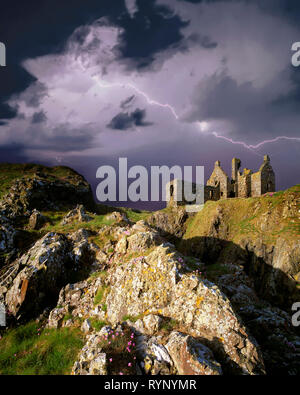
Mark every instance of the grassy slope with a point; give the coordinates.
(29, 349)
(246, 217)
(10, 172)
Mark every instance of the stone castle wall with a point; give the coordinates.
(219, 186)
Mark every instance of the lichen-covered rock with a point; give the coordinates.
(91, 360)
(47, 265)
(77, 300)
(191, 357)
(170, 223)
(86, 326)
(153, 357)
(36, 220)
(159, 284)
(152, 323)
(78, 215)
(143, 240)
(56, 317)
(46, 192)
(7, 238)
(117, 217)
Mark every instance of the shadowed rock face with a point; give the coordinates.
(45, 193)
(262, 234)
(50, 264)
(191, 357)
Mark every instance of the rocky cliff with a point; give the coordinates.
(146, 293)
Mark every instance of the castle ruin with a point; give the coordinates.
(220, 186)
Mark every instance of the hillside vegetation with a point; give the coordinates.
(267, 217)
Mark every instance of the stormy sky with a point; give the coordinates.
(161, 82)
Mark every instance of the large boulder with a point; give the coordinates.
(8, 236)
(50, 264)
(169, 222)
(153, 357)
(159, 284)
(46, 267)
(46, 192)
(36, 220)
(191, 357)
(91, 360)
(78, 214)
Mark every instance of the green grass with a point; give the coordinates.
(132, 318)
(67, 317)
(217, 270)
(136, 215)
(29, 351)
(243, 217)
(97, 324)
(101, 293)
(55, 218)
(10, 172)
(100, 274)
(168, 325)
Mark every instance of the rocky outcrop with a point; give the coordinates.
(78, 214)
(51, 263)
(169, 222)
(44, 270)
(91, 361)
(36, 220)
(261, 234)
(45, 193)
(159, 284)
(191, 357)
(7, 239)
(213, 305)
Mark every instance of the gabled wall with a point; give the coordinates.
(219, 177)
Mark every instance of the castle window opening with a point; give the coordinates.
(172, 190)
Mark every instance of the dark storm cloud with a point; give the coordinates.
(34, 94)
(38, 117)
(127, 102)
(124, 121)
(12, 153)
(62, 138)
(7, 112)
(290, 102)
(67, 139)
(253, 112)
(204, 41)
(36, 28)
(152, 29)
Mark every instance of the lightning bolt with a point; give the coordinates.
(152, 102)
(257, 145)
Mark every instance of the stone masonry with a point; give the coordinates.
(219, 186)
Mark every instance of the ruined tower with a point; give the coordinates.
(235, 167)
(264, 180)
(220, 181)
(219, 185)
